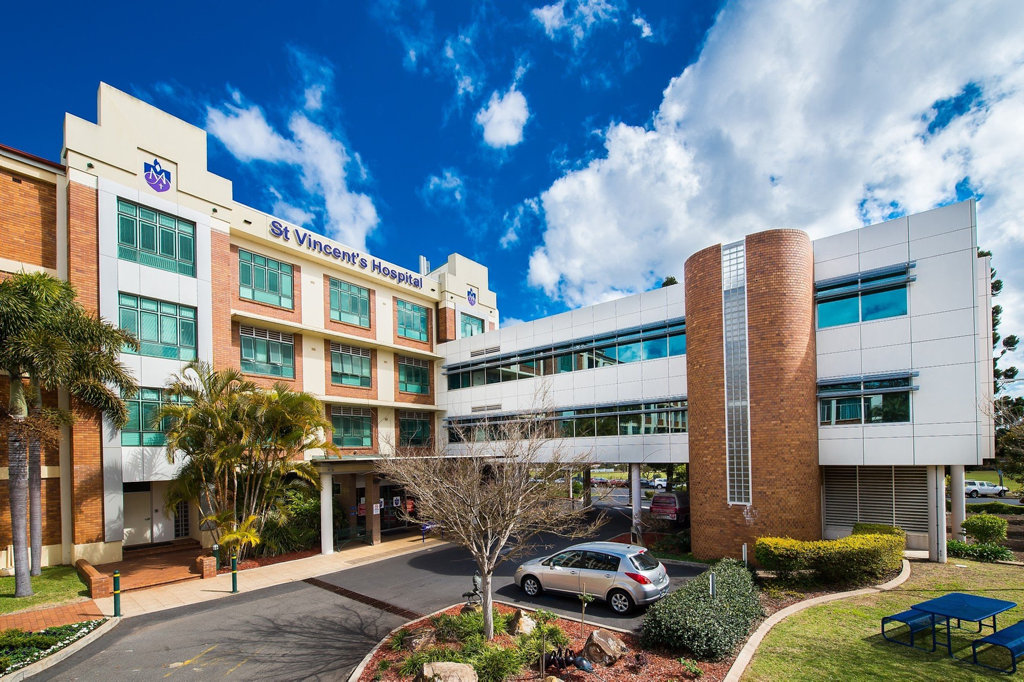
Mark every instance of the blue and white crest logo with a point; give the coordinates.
(471, 297)
(157, 176)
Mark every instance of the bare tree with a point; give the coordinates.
(493, 491)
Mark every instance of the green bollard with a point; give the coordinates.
(117, 594)
(234, 574)
(216, 555)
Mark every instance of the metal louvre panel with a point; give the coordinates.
(408, 414)
(840, 495)
(350, 350)
(268, 334)
(911, 485)
(339, 411)
(414, 362)
(876, 495)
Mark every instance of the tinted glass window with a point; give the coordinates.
(877, 305)
(837, 312)
(643, 562)
(888, 407)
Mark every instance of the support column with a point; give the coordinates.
(326, 513)
(372, 520)
(588, 499)
(634, 472)
(959, 503)
(937, 514)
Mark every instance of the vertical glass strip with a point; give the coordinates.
(737, 399)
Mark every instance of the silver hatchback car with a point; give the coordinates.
(623, 575)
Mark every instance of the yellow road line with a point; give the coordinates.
(190, 661)
(244, 661)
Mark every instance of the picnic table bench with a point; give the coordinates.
(1011, 639)
(916, 621)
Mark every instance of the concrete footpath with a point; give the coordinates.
(142, 601)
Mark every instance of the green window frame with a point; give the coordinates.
(267, 352)
(471, 326)
(413, 375)
(155, 239)
(352, 427)
(164, 329)
(265, 280)
(350, 303)
(413, 429)
(143, 429)
(351, 366)
(412, 321)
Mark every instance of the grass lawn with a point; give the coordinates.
(993, 477)
(57, 585)
(841, 640)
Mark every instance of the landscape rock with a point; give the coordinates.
(419, 638)
(603, 647)
(472, 608)
(552, 678)
(447, 672)
(521, 624)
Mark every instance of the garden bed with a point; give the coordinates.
(256, 562)
(19, 648)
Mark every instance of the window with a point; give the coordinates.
(350, 366)
(413, 429)
(412, 321)
(871, 401)
(164, 330)
(268, 352)
(264, 280)
(143, 428)
(350, 303)
(471, 326)
(413, 375)
(352, 426)
(866, 296)
(155, 239)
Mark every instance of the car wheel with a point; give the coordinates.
(659, 487)
(531, 586)
(620, 601)
(974, 493)
(1002, 493)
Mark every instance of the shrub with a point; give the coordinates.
(459, 628)
(295, 524)
(678, 543)
(707, 627)
(855, 558)
(413, 664)
(985, 529)
(979, 552)
(877, 529)
(495, 664)
(994, 508)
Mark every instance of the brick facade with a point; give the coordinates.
(785, 486)
(28, 219)
(344, 327)
(225, 353)
(446, 325)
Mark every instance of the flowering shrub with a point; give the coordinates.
(19, 648)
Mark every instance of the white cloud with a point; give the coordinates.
(322, 160)
(503, 118)
(577, 24)
(447, 188)
(643, 25)
(810, 116)
(510, 322)
(517, 219)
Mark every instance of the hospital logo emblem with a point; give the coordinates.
(157, 176)
(471, 297)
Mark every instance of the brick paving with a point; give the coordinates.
(53, 616)
(154, 569)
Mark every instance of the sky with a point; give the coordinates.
(581, 149)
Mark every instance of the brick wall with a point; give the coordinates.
(785, 489)
(28, 220)
(223, 276)
(344, 391)
(427, 345)
(50, 497)
(266, 309)
(86, 435)
(344, 327)
(446, 329)
(51, 452)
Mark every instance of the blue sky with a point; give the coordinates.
(581, 149)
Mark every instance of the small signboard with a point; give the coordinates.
(376, 510)
(396, 502)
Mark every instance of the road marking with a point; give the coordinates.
(236, 667)
(189, 661)
(364, 599)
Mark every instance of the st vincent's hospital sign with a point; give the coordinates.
(313, 242)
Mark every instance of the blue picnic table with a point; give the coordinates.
(960, 606)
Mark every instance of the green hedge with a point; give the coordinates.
(979, 552)
(689, 619)
(877, 529)
(985, 529)
(991, 507)
(856, 558)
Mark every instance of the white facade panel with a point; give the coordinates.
(890, 233)
(845, 364)
(941, 220)
(841, 245)
(888, 332)
(889, 451)
(836, 267)
(886, 359)
(883, 257)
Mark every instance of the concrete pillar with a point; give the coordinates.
(588, 499)
(956, 493)
(937, 514)
(372, 520)
(326, 513)
(635, 496)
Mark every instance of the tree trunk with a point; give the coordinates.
(35, 486)
(487, 604)
(17, 488)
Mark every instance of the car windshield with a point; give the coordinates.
(643, 562)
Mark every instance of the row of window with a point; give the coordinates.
(631, 419)
(353, 428)
(143, 427)
(873, 295)
(869, 400)
(155, 239)
(625, 347)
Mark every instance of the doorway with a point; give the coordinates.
(138, 514)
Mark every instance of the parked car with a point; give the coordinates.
(617, 482)
(660, 483)
(673, 506)
(598, 481)
(625, 576)
(977, 488)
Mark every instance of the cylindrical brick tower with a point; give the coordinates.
(751, 377)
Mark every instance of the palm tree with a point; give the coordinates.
(50, 341)
(242, 446)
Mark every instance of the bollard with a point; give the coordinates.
(234, 574)
(117, 594)
(216, 555)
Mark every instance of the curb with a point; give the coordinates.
(750, 648)
(58, 656)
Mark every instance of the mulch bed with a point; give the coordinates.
(256, 562)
